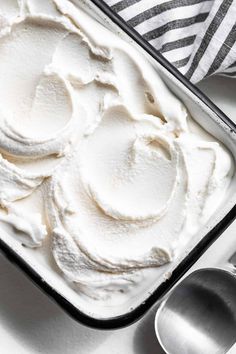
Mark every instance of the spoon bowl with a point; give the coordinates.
(199, 316)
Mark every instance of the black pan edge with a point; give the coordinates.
(134, 315)
(189, 260)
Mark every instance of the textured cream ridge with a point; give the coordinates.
(124, 174)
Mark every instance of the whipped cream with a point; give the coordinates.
(123, 176)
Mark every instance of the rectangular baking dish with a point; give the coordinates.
(207, 115)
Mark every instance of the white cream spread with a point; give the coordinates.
(123, 174)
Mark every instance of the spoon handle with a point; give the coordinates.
(232, 260)
(230, 264)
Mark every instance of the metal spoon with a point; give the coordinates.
(199, 317)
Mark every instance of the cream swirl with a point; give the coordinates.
(84, 118)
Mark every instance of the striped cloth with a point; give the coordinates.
(196, 36)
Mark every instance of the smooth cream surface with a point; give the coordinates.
(96, 153)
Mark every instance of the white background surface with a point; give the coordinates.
(30, 323)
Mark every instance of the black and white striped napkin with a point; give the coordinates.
(196, 36)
